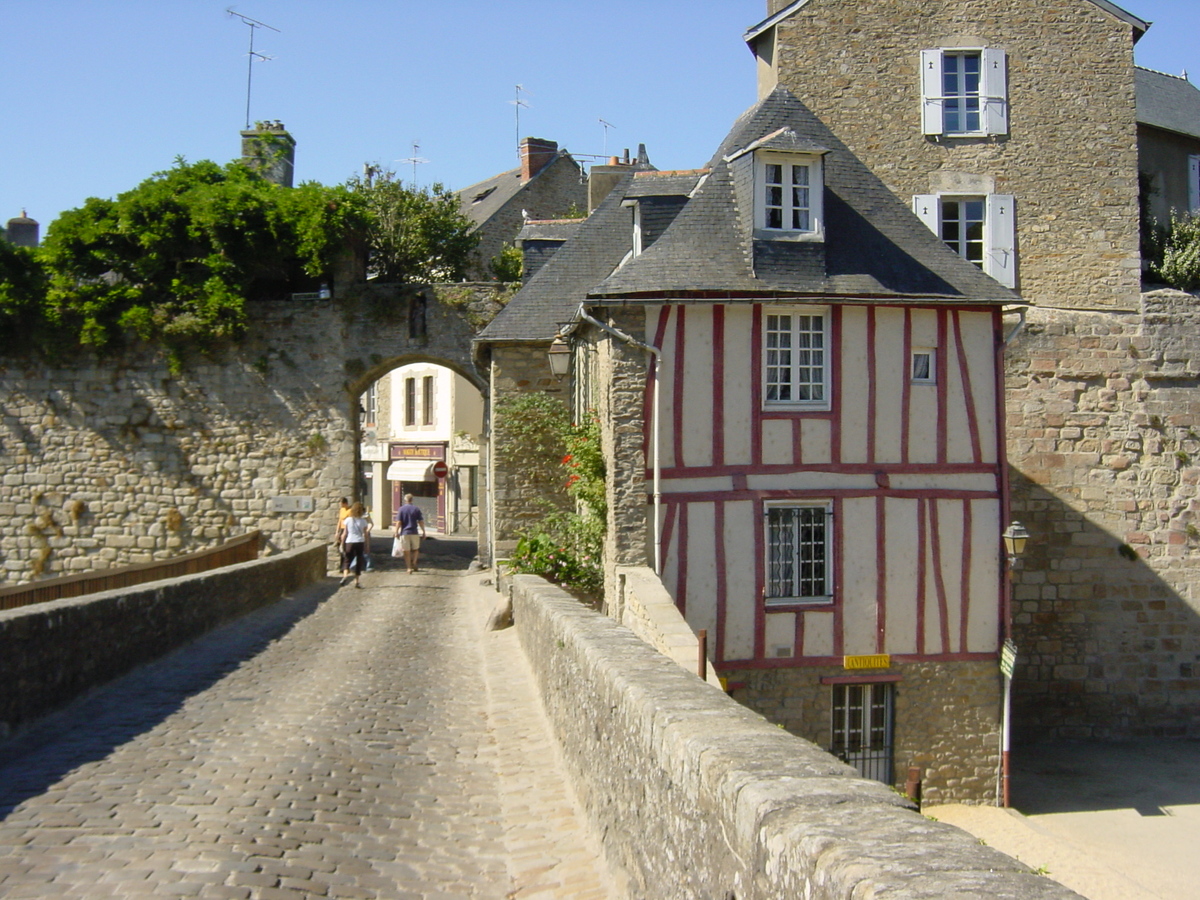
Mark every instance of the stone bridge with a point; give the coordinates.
(119, 460)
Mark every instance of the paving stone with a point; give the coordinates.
(354, 744)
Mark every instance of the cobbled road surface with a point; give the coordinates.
(369, 743)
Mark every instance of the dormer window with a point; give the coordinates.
(789, 192)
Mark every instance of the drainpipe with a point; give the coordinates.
(654, 425)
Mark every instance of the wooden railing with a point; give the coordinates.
(240, 549)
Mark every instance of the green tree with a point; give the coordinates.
(1176, 259)
(508, 265)
(175, 259)
(23, 283)
(416, 235)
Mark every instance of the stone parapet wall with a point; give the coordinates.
(946, 715)
(662, 761)
(52, 652)
(643, 605)
(1103, 419)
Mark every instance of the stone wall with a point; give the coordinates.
(946, 719)
(52, 652)
(1103, 419)
(119, 460)
(643, 605)
(696, 796)
(514, 492)
(1070, 156)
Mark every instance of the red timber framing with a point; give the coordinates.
(936, 614)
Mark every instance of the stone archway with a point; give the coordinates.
(117, 461)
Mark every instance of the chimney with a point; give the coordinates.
(536, 154)
(269, 148)
(23, 231)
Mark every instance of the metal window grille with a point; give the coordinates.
(797, 551)
(863, 727)
(960, 89)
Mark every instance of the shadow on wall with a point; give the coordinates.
(1107, 648)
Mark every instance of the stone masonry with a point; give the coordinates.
(1104, 437)
(118, 461)
(947, 720)
(1070, 157)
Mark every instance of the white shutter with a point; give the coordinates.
(994, 87)
(1194, 184)
(1000, 254)
(932, 121)
(926, 207)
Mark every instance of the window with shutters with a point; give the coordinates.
(964, 92)
(796, 359)
(980, 229)
(798, 554)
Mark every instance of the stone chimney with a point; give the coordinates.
(536, 154)
(22, 231)
(269, 148)
(602, 179)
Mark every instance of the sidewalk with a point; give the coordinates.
(1111, 821)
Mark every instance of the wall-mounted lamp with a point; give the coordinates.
(1015, 538)
(559, 355)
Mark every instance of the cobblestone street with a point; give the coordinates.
(371, 743)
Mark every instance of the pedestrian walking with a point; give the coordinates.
(354, 531)
(410, 528)
(343, 563)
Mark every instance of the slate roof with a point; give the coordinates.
(874, 248)
(548, 229)
(1168, 102)
(481, 201)
(553, 295)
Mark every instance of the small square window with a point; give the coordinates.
(789, 192)
(923, 367)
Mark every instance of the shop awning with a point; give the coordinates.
(411, 470)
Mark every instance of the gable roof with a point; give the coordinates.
(1169, 102)
(482, 200)
(874, 246)
(770, 22)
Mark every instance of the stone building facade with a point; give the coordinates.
(1068, 153)
(119, 461)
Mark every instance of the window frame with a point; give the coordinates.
(795, 600)
(999, 229)
(992, 93)
(427, 399)
(820, 404)
(931, 377)
(813, 163)
(410, 401)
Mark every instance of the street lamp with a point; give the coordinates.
(1015, 540)
(559, 355)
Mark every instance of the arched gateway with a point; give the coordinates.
(117, 461)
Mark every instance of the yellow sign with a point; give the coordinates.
(878, 661)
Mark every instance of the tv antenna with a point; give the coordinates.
(252, 55)
(416, 160)
(607, 125)
(519, 103)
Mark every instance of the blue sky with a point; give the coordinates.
(99, 94)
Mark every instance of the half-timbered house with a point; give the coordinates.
(824, 492)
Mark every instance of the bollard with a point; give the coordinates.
(912, 787)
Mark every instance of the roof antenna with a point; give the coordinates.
(518, 103)
(607, 125)
(415, 160)
(253, 23)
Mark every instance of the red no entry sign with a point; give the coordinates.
(440, 469)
